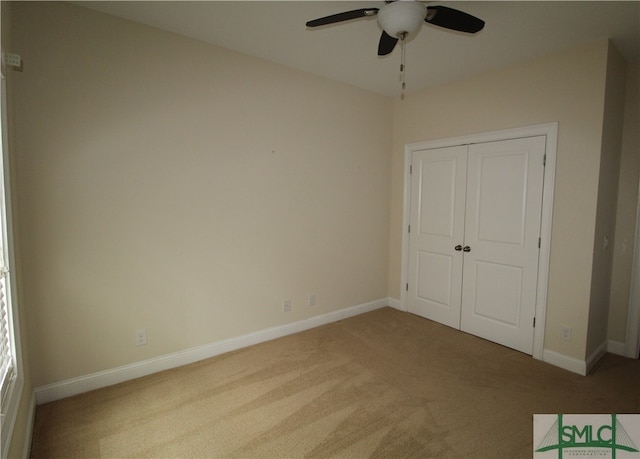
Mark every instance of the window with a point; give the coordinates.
(7, 359)
(10, 373)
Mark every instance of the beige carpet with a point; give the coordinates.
(383, 384)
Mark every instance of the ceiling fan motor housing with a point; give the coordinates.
(402, 18)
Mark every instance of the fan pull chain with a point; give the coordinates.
(402, 65)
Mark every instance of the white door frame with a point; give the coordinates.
(550, 130)
(632, 339)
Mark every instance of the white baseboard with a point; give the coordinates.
(596, 355)
(395, 303)
(79, 385)
(616, 347)
(564, 361)
(31, 419)
(582, 367)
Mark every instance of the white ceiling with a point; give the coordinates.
(276, 31)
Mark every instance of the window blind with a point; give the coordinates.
(7, 367)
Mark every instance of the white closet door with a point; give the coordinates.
(502, 227)
(437, 226)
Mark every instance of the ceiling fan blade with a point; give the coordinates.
(345, 16)
(453, 19)
(387, 43)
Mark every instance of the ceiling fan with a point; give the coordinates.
(400, 19)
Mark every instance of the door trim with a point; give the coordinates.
(632, 338)
(550, 131)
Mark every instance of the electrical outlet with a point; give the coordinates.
(311, 299)
(12, 60)
(286, 305)
(141, 336)
(565, 334)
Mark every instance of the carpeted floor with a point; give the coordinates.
(382, 384)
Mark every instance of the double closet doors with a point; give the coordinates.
(474, 237)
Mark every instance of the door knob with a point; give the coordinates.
(467, 248)
(458, 247)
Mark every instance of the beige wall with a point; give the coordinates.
(626, 210)
(175, 186)
(607, 199)
(567, 88)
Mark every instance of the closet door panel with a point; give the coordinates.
(437, 226)
(502, 227)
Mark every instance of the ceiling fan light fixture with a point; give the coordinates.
(402, 18)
